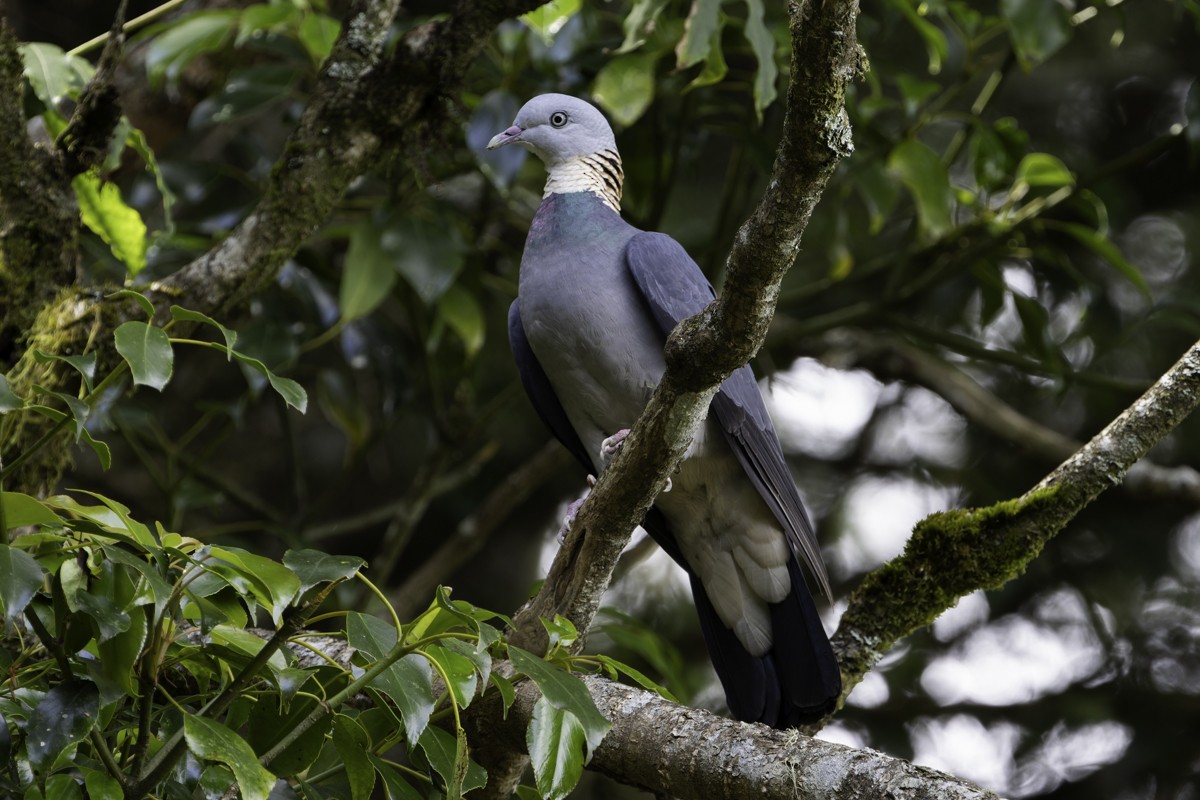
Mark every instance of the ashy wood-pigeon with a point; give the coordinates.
(597, 300)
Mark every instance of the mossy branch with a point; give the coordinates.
(953, 553)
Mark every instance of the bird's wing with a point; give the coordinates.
(675, 289)
(541, 392)
(549, 409)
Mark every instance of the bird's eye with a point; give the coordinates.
(558, 119)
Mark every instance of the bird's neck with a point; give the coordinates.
(598, 173)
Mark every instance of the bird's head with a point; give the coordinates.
(558, 128)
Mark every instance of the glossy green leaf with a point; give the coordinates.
(276, 585)
(448, 756)
(318, 33)
(715, 68)
(564, 691)
(547, 20)
(408, 683)
(624, 87)
(921, 170)
(638, 677)
(119, 654)
(148, 352)
(20, 579)
(63, 717)
(1043, 169)
(106, 214)
(937, 48)
(507, 693)
(137, 297)
(136, 141)
(312, 567)
(1037, 28)
(111, 620)
(561, 631)
(394, 785)
(555, 740)
(187, 315)
(763, 45)
(85, 365)
(8, 400)
(702, 22)
(368, 271)
(80, 411)
(182, 40)
(242, 645)
(211, 741)
(100, 448)
(292, 392)
(101, 786)
(261, 18)
(62, 786)
(23, 509)
(462, 312)
(268, 724)
(458, 672)
(351, 743)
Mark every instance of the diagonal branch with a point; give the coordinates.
(956, 552)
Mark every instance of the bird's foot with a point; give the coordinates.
(573, 509)
(612, 445)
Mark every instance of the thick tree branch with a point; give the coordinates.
(675, 751)
(956, 552)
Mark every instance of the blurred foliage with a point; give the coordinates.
(1022, 205)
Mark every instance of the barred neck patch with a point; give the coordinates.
(598, 173)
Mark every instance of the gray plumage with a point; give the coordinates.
(597, 299)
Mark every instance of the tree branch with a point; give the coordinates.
(675, 751)
(956, 552)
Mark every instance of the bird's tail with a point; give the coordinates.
(796, 681)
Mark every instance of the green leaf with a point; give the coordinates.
(22, 509)
(715, 67)
(268, 724)
(395, 787)
(408, 683)
(936, 47)
(80, 411)
(458, 672)
(555, 740)
(101, 786)
(351, 743)
(565, 691)
(277, 583)
(637, 676)
(63, 717)
(263, 18)
(1038, 28)
(1106, 249)
(136, 141)
(507, 693)
(187, 315)
(148, 352)
(62, 786)
(52, 73)
(119, 654)
(462, 312)
(106, 214)
(448, 756)
(212, 741)
(639, 23)
(624, 87)
(182, 40)
(8, 400)
(312, 567)
(368, 271)
(561, 630)
(702, 22)
(85, 365)
(292, 393)
(921, 170)
(549, 19)
(318, 33)
(20, 578)
(763, 45)
(1042, 169)
(137, 297)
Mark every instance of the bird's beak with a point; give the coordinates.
(509, 136)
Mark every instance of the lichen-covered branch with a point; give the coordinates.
(674, 751)
(956, 552)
